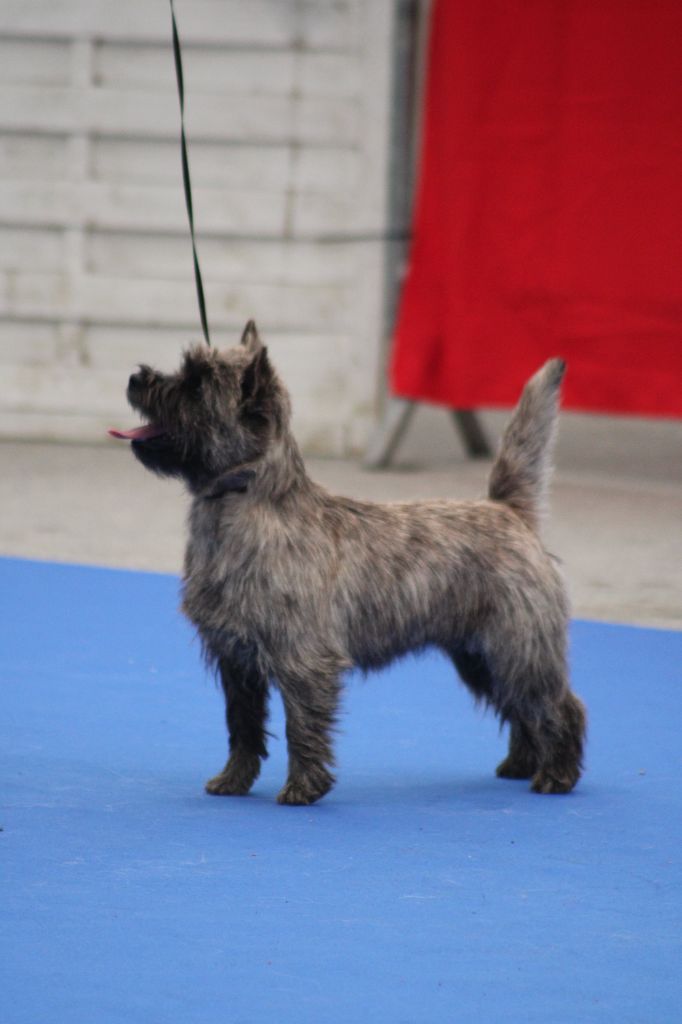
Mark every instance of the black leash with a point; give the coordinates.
(395, 235)
(185, 177)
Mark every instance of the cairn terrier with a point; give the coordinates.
(289, 585)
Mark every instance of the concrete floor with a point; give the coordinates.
(616, 512)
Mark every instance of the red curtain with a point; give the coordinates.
(548, 217)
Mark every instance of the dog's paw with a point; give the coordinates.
(546, 782)
(301, 791)
(514, 767)
(227, 785)
(236, 778)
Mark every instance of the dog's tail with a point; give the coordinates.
(521, 471)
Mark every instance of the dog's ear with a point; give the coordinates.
(250, 338)
(256, 382)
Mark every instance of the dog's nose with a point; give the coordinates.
(135, 381)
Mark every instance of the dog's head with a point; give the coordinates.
(217, 414)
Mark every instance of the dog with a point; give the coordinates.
(288, 585)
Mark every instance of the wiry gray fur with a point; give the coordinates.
(291, 586)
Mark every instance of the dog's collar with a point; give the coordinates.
(235, 482)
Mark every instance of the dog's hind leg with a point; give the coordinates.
(246, 696)
(547, 721)
(547, 731)
(310, 704)
(473, 669)
(560, 736)
(522, 760)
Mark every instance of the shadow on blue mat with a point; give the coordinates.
(422, 889)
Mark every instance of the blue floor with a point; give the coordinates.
(422, 889)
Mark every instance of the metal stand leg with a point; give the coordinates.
(385, 440)
(472, 433)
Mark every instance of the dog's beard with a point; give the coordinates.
(159, 453)
(154, 447)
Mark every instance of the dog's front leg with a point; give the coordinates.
(310, 704)
(246, 696)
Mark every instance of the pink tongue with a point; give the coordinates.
(137, 433)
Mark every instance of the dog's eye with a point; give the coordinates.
(193, 379)
(195, 373)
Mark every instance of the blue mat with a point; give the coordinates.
(422, 889)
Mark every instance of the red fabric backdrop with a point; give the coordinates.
(548, 216)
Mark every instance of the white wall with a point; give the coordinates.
(287, 117)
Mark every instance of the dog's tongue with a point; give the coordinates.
(137, 433)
